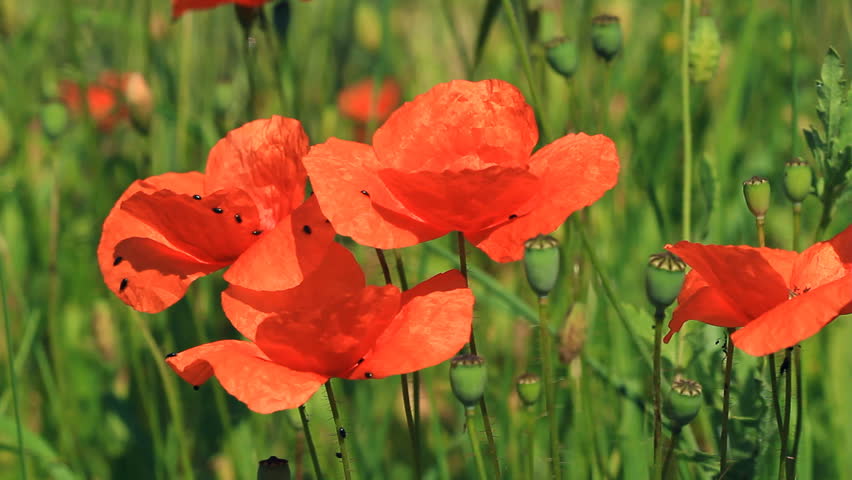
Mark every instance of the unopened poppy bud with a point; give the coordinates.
(529, 388)
(273, 468)
(246, 16)
(468, 375)
(5, 136)
(562, 56)
(663, 278)
(704, 49)
(223, 95)
(541, 263)
(140, 100)
(683, 402)
(606, 36)
(281, 18)
(798, 177)
(54, 119)
(756, 191)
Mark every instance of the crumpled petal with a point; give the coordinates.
(705, 304)
(181, 6)
(246, 373)
(824, 262)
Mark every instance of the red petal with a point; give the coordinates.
(708, 305)
(340, 171)
(795, 320)
(575, 171)
(823, 262)
(338, 275)
(285, 255)
(456, 123)
(329, 339)
(432, 326)
(264, 159)
(246, 373)
(181, 6)
(359, 102)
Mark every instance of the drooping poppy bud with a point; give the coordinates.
(529, 388)
(54, 119)
(273, 468)
(606, 36)
(704, 49)
(798, 177)
(541, 263)
(757, 195)
(468, 375)
(682, 402)
(663, 278)
(562, 56)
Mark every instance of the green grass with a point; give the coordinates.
(95, 400)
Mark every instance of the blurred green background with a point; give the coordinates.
(96, 400)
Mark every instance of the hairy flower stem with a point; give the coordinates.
(687, 125)
(415, 377)
(659, 316)
(546, 344)
(786, 464)
(773, 384)
(338, 424)
(310, 441)
(668, 463)
(797, 224)
(726, 404)
(530, 456)
(10, 352)
(761, 231)
(794, 94)
(469, 414)
(797, 434)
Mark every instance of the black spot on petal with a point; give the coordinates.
(117, 261)
(217, 210)
(256, 232)
(365, 193)
(173, 354)
(123, 285)
(307, 229)
(238, 218)
(197, 197)
(512, 216)
(369, 374)
(360, 361)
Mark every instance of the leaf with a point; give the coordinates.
(831, 96)
(815, 142)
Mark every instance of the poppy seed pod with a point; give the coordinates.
(682, 402)
(704, 49)
(529, 388)
(606, 36)
(798, 177)
(541, 263)
(757, 195)
(54, 119)
(468, 375)
(273, 468)
(562, 56)
(663, 278)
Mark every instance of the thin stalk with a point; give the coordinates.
(469, 414)
(530, 456)
(251, 73)
(447, 9)
(667, 464)
(788, 408)
(797, 434)
(760, 223)
(659, 466)
(383, 262)
(794, 94)
(338, 424)
(19, 430)
(310, 441)
(274, 51)
(773, 383)
(726, 404)
(797, 224)
(687, 126)
(549, 395)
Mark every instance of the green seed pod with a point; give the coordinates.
(529, 388)
(273, 468)
(541, 263)
(757, 195)
(704, 49)
(683, 402)
(223, 96)
(562, 56)
(54, 119)
(606, 36)
(5, 136)
(468, 375)
(663, 278)
(798, 177)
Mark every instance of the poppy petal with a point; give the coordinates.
(356, 202)
(795, 320)
(246, 373)
(338, 275)
(179, 7)
(823, 262)
(282, 257)
(363, 102)
(264, 159)
(575, 171)
(457, 122)
(708, 305)
(432, 326)
(329, 339)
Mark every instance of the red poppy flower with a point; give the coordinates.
(104, 99)
(181, 6)
(778, 297)
(332, 325)
(246, 211)
(360, 103)
(457, 158)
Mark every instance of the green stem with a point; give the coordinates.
(310, 441)
(788, 408)
(797, 434)
(530, 454)
(687, 125)
(669, 460)
(797, 224)
(549, 396)
(275, 52)
(19, 430)
(773, 383)
(726, 404)
(338, 425)
(659, 316)
(794, 122)
(469, 414)
(760, 223)
(446, 8)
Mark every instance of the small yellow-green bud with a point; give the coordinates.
(663, 278)
(541, 263)
(798, 177)
(683, 402)
(529, 388)
(223, 96)
(704, 49)
(468, 375)
(562, 56)
(757, 195)
(273, 468)
(606, 36)
(54, 119)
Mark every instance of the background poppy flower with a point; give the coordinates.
(181, 6)
(245, 211)
(104, 98)
(457, 158)
(779, 297)
(360, 103)
(300, 338)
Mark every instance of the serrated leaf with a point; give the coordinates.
(831, 95)
(814, 141)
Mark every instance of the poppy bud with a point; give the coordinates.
(798, 177)
(541, 263)
(683, 402)
(756, 191)
(141, 101)
(223, 94)
(663, 278)
(5, 136)
(468, 374)
(562, 56)
(529, 388)
(54, 119)
(281, 18)
(273, 468)
(704, 49)
(606, 36)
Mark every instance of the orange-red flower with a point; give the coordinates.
(362, 102)
(104, 98)
(332, 325)
(181, 6)
(778, 297)
(458, 158)
(245, 211)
